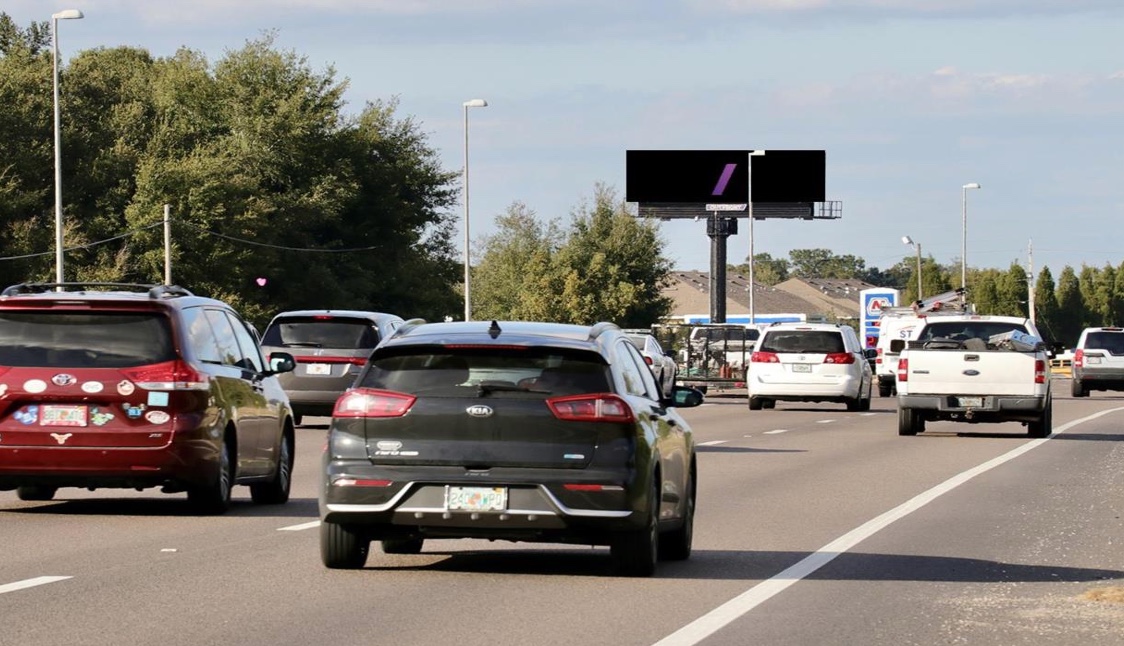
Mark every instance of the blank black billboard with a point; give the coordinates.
(707, 176)
(722, 176)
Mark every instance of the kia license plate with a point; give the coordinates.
(475, 498)
(970, 402)
(802, 367)
(319, 369)
(55, 415)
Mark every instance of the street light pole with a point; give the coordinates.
(917, 245)
(69, 14)
(964, 238)
(474, 103)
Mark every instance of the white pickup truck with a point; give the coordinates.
(975, 369)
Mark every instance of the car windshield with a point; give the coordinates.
(322, 332)
(63, 339)
(807, 341)
(488, 371)
(1110, 342)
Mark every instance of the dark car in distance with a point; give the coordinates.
(516, 431)
(114, 385)
(329, 346)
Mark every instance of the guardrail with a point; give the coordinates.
(1061, 367)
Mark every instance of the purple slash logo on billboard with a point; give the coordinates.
(724, 179)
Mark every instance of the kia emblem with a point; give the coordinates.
(479, 410)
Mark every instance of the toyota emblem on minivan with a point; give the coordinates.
(479, 410)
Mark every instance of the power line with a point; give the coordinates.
(85, 246)
(273, 246)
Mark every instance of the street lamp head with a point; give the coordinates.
(67, 14)
(476, 103)
(907, 240)
(972, 185)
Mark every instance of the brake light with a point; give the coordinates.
(764, 357)
(347, 481)
(322, 317)
(839, 357)
(1079, 358)
(648, 360)
(368, 402)
(1039, 371)
(170, 375)
(878, 356)
(903, 369)
(591, 408)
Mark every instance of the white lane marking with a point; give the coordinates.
(779, 430)
(31, 583)
(713, 443)
(716, 619)
(825, 421)
(868, 414)
(297, 528)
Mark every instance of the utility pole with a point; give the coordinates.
(1030, 281)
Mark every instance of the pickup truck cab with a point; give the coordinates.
(975, 369)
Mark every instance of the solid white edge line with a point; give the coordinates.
(297, 528)
(723, 615)
(31, 583)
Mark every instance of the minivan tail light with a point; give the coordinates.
(355, 361)
(903, 369)
(369, 402)
(648, 360)
(764, 357)
(1039, 371)
(839, 357)
(170, 375)
(601, 407)
(1079, 358)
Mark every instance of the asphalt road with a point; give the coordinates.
(815, 526)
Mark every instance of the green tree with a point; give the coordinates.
(1117, 305)
(1013, 291)
(985, 292)
(766, 269)
(823, 263)
(1104, 294)
(1071, 308)
(515, 278)
(1090, 307)
(1047, 314)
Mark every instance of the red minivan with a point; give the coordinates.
(113, 385)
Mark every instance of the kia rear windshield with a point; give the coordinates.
(311, 332)
(58, 339)
(1110, 342)
(806, 341)
(489, 371)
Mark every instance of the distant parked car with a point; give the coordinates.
(513, 431)
(662, 364)
(110, 385)
(329, 346)
(1098, 360)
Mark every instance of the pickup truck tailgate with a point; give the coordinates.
(952, 372)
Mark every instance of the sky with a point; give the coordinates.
(910, 99)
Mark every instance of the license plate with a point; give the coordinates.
(319, 369)
(802, 367)
(53, 415)
(475, 498)
(1092, 359)
(970, 402)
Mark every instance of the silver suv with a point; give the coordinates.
(1098, 360)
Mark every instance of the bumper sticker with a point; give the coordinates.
(27, 415)
(34, 385)
(100, 417)
(156, 398)
(157, 416)
(133, 412)
(125, 388)
(92, 387)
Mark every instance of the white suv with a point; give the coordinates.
(1098, 360)
(809, 362)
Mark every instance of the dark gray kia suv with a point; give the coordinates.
(512, 431)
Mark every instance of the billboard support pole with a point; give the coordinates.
(749, 206)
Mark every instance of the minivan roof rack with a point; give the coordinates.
(600, 328)
(154, 291)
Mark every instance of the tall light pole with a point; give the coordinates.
(68, 14)
(964, 238)
(909, 241)
(474, 103)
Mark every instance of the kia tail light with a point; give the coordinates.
(598, 407)
(369, 402)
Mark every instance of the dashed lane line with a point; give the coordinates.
(825, 421)
(713, 443)
(31, 583)
(779, 430)
(297, 528)
(727, 613)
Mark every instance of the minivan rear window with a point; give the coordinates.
(467, 372)
(1110, 342)
(808, 341)
(311, 332)
(61, 339)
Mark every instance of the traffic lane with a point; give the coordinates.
(1007, 557)
(81, 531)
